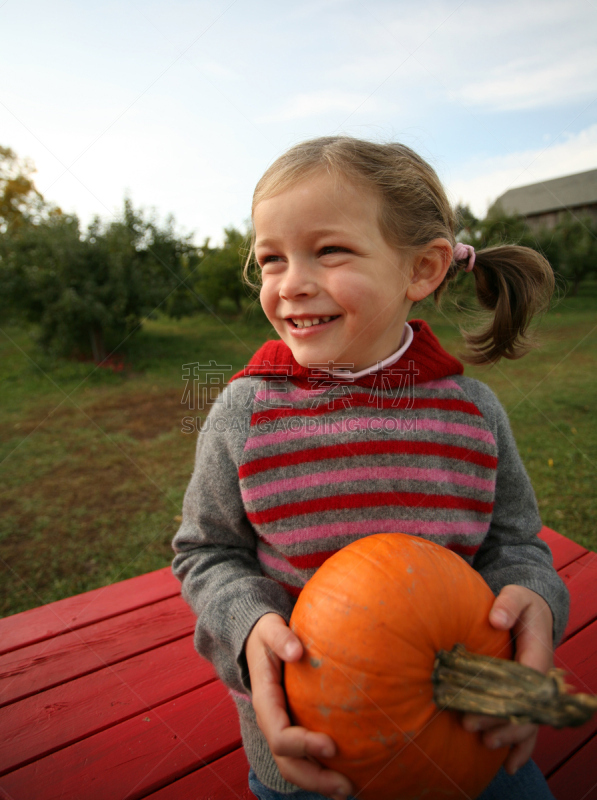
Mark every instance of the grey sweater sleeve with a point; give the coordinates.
(215, 546)
(512, 552)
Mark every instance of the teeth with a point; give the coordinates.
(307, 323)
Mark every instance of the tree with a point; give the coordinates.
(570, 246)
(88, 292)
(500, 228)
(466, 220)
(19, 199)
(220, 271)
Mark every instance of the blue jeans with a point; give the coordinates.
(527, 784)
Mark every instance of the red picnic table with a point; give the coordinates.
(102, 697)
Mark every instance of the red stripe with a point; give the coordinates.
(363, 401)
(294, 591)
(463, 549)
(351, 449)
(368, 500)
(311, 560)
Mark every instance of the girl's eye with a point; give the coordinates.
(268, 260)
(325, 251)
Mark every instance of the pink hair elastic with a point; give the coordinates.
(462, 251)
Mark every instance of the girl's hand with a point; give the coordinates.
(528, 616)
(294, 748)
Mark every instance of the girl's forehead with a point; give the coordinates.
(321, 187)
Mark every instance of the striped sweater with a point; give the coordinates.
(326, 462)
(292, 466)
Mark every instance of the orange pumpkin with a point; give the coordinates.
(371, 620)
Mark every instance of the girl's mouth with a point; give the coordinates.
(309, 322)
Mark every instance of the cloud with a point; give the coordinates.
(217, 69)
(522, 84)
(489, 178)
(494, 57)
(315, 104)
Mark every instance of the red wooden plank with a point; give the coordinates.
(224, 779)
(54, 661)
(54, 719)
(578, 657)
(138, 756)
(563, 550)
(577, 778)
(581, 579)
(83, 609)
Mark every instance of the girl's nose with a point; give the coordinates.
(298, 280)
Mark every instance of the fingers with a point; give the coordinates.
(509, 606)
(297, 742)
(281, 640)
(520, 739)
(269, 642)
(314, 778)
(529, 617)
(496, 732)
(284, 739)
(478, 722)
(508, 735)
(274, 633)
(294, 749)
(518, 756)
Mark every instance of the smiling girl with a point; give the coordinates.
(357, 422)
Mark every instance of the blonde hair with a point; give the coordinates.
(513, 282)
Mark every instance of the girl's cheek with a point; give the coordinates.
(267, 298)
(263, 295)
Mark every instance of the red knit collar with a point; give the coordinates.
(425, 360)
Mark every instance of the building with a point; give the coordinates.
(544, 204)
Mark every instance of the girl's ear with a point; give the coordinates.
(429, 269)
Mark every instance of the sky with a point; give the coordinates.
(182, 105)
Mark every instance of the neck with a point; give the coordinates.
(405, 342)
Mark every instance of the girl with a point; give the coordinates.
(357, 422)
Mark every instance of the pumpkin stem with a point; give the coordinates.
(479, 684)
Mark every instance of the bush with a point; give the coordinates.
(88, 292)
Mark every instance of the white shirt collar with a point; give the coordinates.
(407, 338)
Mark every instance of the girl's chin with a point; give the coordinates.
(317, 358)
(306, 355)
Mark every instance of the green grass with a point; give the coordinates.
(94, 465)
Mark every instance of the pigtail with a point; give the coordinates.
(514, 283)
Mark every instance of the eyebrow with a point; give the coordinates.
(264, 243)
(317, 232)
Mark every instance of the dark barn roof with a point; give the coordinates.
(571, 191)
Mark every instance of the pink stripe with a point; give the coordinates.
(367, 473)
(240, 695)
(279, 564)
(437, 528)
(352, 424)
(457, 428)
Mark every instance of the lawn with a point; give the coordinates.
(94, 463)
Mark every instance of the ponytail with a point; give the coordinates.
(514, 283)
